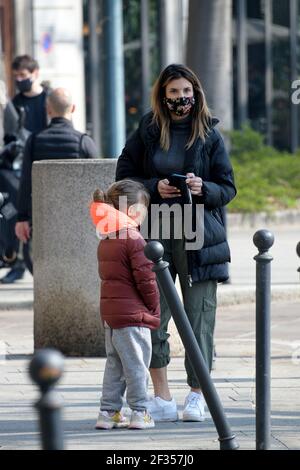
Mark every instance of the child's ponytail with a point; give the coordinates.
(99, 196)
(133, 191)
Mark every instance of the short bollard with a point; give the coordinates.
(298, 253)
(154, 251)
(45, 369)
(263, 240)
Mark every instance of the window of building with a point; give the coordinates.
(255, 9)
(133, 56)
(275, 121)
(132, 59)
(281, 57)
(256, 65)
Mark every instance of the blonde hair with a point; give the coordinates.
(134, 191)
(201, 115)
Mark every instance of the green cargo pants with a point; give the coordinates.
(200, 306)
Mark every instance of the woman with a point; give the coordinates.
(179, 136)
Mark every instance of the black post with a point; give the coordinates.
(45, 369)
(94, 60)
(145, 59)
(297, 251)
(242, 62)
(263, 240)
(269, 68)
(154, 251)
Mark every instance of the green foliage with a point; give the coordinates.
(266, 179)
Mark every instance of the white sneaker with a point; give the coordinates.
(162, 410)
(141, 420)
(111, 419)
(194, 407)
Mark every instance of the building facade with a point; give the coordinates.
(265, 38)
(66, 36)
(52, 33)
(266, 61)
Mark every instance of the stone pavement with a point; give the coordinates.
(233, 377)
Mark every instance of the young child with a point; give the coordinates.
(129, 303)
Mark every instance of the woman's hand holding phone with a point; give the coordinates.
(194, 183)
(166, 191)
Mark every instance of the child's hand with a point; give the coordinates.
(22, 231)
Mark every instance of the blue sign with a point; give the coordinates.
(47, 42)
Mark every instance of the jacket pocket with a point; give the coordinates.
(216, 214)
(136, 317)
(214, 230)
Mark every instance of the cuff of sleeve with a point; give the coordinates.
(22, 218)
(152, 187)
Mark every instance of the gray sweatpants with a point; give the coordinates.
(128, 358)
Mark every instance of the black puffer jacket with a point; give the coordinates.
(208, 160)
(58, 141)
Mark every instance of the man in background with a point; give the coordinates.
(31, 95)
(59, 141)
(29, 104)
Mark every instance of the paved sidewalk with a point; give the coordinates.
(233, 377)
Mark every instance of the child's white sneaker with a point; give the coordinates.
(111, 419)
(141, 420)
(194, 407)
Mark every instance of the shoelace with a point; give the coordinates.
(193, 401)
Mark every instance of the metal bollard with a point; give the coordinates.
(45, 369)
(263, 240)
(154, 251)
(298, 253)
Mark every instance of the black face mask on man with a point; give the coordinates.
(24, 85)
(180, 106)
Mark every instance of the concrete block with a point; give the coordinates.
(66, 281)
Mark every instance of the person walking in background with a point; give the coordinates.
(31, 102)
(58, 141)
(129, 303)
(179, 136)
(31, 95)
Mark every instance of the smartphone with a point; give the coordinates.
(179, 182)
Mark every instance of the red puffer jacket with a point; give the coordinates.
(129, 292)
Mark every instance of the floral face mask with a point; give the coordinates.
(180, 106)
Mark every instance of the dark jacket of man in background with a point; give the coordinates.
(58, 141)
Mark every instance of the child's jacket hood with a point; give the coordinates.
(109, 220)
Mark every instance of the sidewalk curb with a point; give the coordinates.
(227, 295)
(248, 220)
(16, 305)
(243, 295)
